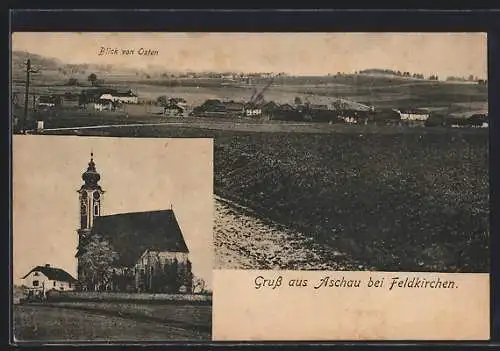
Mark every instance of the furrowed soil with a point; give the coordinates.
(408, 200)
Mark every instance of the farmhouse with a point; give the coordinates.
(173, 109)
(479, 120)
(49, 101)
(217, 108)
(92, 95)
(45, 278)
(252, 110)
(413, 116)
(105, 105)
(121, 97)
(150, 254)
(286, 112)
(353, 116)
(178, 101)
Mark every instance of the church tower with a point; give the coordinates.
(90, 198)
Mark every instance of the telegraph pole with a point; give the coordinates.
(26, 95)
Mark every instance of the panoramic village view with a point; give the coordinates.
(377, 160)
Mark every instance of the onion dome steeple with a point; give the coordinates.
(90, 176)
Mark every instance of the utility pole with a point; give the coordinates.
(26, 96)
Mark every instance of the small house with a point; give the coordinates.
(413, 115)
(121, 97)
(173, 110)
(479, 120)
(178, 101)
(104, 105)
(49, 101)
(252, 110)
(45, 278)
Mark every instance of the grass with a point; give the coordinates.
(416, 200)
(187, 315)
(53, 324)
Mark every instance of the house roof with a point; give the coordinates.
(413, 111)
(53, 273)
(130, 234)
(104, 101)
(99, 91)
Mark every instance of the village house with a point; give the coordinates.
(353, 116)
(94, 94)
(252, 110)
(121, 97)
(467, 120)
(49, 101)
(45, 278)
(479, 120)
(173, 110)
(105, 105)
(413, 117)
(181, 102)
(151, 254)
(286, 112)
(217, 108)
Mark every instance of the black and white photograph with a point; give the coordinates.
(332, 151)
(112, 239)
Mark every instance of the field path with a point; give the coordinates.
(244, 241)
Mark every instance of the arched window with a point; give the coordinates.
(97, 197)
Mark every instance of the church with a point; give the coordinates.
(132, 252)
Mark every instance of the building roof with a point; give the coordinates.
(416, 111)
(130, 234)
(99, 91)
(53, 273)
(104, 101)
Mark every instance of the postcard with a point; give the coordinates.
(347, 197)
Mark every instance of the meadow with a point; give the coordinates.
(44, 323)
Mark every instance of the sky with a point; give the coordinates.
(136, 175)
(445, 54)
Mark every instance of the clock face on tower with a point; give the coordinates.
(96, 195)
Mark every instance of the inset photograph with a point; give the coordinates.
(112, 239)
